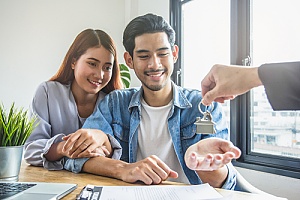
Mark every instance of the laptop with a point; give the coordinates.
(34, 190)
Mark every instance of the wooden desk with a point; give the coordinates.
(38, 174)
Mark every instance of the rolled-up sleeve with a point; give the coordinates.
(75, 165)
(35, 153)
(230, 181)
(117, 149)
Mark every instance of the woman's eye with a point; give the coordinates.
(92, 64)
(108, 68)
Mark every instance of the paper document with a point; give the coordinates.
(153, 192)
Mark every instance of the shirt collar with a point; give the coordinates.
(179, 98)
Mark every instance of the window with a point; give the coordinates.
(203, 44)
(237, 31)
(274, 39)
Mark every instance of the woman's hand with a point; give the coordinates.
(86, 143)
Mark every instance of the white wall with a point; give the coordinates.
(134, 8)
(280, 186)
(35, 36)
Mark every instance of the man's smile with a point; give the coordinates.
(155, 73)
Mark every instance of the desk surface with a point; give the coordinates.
(38, 174)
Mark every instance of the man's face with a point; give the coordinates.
(153, 60)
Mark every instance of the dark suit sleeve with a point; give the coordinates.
(282, 84)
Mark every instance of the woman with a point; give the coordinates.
(62, 104)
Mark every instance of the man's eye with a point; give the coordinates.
(143, 57)
(163, 54)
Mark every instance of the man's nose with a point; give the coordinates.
(154, 62)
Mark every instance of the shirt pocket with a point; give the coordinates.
(188, 132)
(189, 136)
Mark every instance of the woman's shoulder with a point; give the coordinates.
(53, 86)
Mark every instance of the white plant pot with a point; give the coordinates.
(10, 162)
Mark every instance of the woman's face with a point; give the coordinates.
(93, 70)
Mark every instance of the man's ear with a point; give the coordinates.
(128, 60)
(175, 53)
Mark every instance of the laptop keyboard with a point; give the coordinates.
(10, 189)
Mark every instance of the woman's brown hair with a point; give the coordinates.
(89, 38)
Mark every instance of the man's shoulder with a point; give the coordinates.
(123, 94)
(127, 91)
(189, 92)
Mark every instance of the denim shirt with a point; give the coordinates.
(118, 115)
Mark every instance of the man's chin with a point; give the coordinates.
(153, 87)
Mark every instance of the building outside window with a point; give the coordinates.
(275, 38)
(229, 32)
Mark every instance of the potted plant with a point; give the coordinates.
(15, 128)
(125, 75)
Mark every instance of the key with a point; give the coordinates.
(205, 125)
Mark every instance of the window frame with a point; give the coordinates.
(240, 107)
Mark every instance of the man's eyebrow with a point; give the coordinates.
(142, 51)
(146, 51)
(163, 48)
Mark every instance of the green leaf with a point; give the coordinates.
(15, 127)
(123, 67)
(125, 75)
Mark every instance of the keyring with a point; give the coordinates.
(199, 108)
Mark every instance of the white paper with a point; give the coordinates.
(159, 192)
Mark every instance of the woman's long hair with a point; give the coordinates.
(89, 38)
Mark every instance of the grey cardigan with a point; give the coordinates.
(56, 110)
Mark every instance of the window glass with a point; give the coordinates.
(206, 40)
(275, 38)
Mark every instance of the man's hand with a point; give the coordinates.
(226, 82)
(150, 170)
(210, 154)
(86, 143)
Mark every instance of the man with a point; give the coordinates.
(155, 124)
(281, 82)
